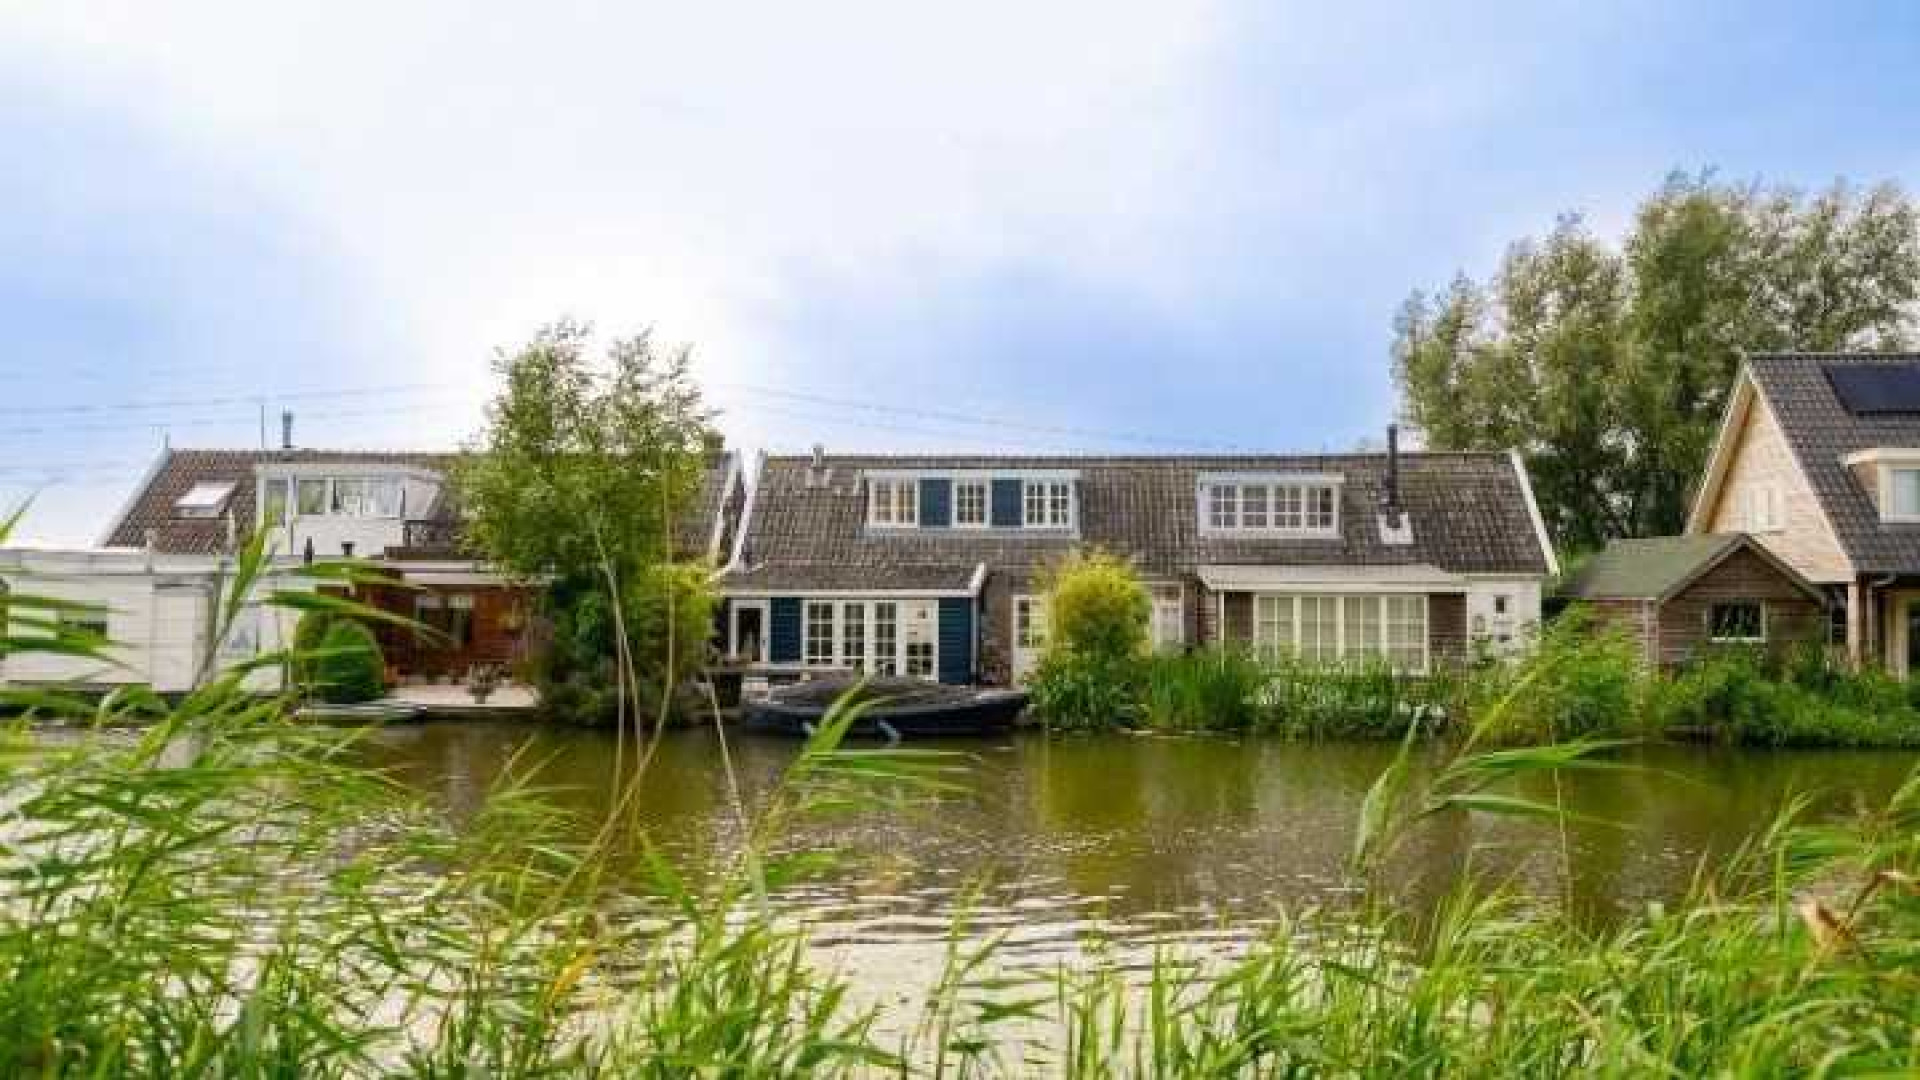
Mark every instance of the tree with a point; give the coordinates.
(581, 479)
(1609, 367)
(348, 668)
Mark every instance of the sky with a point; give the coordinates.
(1066, 226)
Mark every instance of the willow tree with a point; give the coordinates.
(1608, 363)
(589, 464)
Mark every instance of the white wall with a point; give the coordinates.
(1522, 620)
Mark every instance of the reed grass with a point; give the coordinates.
(210, 887)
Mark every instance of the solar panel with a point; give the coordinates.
(1877, 389)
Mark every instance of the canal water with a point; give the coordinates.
(1152, 839)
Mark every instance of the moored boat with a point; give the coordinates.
(897, 709)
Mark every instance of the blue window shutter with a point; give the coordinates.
(936, 502)
(956, 640)
(783, 636)
(1006, 502)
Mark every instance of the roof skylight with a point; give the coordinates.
(204, 500)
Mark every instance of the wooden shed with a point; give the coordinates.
(1679, 594)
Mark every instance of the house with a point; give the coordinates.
(1679, 595)
(153, 579)
(1818, 457)
(928, 566)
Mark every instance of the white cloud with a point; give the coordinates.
(483, 170)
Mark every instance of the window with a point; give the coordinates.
(819, 634)
(1270, 508)
(1223, 506)
(460, 620)
(1047, 504)
(274, 512)
(886, 638)
(312, 497)
(1761, 512)
(1324, 629)
(1273, 624)
(1737, 621)
(203, 500)
(920, 659)
(1360, 631)
(1253, 506)
(1319, 628)
(893, 502)
(853, 636)
(1406, 625)
(969, 504)
(366, 498)
(1904, 498)
(1169, 617)
(1029, 624)
(1320, 515)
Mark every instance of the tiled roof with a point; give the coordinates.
(1649, 569)
(838, 577)
(1822, 432)
(1468, 510)
(151, 511)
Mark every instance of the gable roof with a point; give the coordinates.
(150, 512)
(1658, 567)
(1471, 513)
(1821, 432)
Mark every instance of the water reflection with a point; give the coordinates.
(1136, 836)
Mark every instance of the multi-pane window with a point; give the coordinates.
(274, 512)
(819, 634)
(1286, 508)
(969, 503)
(853, 636)
(1319, 628)
(1047, 504)
(920, 659)
(1223, 506)
(1029, 624)
(886, 637)
(1737, 621)
(366, 497)
(893, 502)
(1169, 617)
(1355, 628)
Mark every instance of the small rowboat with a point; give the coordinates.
(900, 709)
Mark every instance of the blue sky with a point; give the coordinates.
(1083, 225)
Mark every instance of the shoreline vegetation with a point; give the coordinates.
(151, 924)
(1578, 680)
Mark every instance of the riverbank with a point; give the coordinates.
(414, 899)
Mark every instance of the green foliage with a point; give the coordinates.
(348, 668)
(1092, 672)
(584, 477)
(1708, 269)
(1583, 679)
(1746, 696)
(1238, 691)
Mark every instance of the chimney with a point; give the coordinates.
(817, 474)
(1395, 529)
(1393, 471)
(286, 429)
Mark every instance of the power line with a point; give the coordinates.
(240, 399)
(972, 420)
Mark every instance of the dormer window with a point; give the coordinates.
(1892, 476)
(893, 503)
(1270, 506)
(1903, 488)
(206, 500)
(366, 497)
(1047, 504)
(970, 504)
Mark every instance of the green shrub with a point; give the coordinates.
(1206, 690)
(667, 608)
(1582, 680)
(1096, 605)
(348, 668)
(1802, 699)
(1073, 691)
(308, 635)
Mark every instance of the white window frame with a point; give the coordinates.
(1289, 502)
(1279, 626)
(1713, 635)
(1889, 479)
(893, 502)
(985, 490)
(1046, 503)
(1169, 611)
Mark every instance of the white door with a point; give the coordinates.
(1029, 634)
(920, 639)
